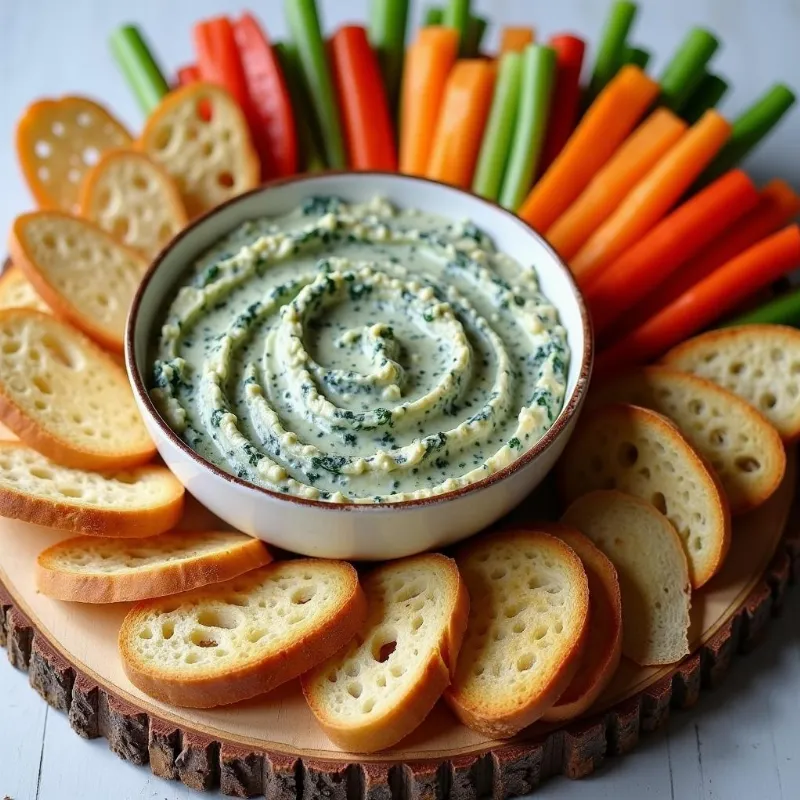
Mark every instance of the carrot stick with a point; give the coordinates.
(744, 274)
(604, 126)
(653, 196)
(566, 100)
(365, 111)
(672, 242)
(778, 204)
(427, 65)
(465, 108)
(515, 39)
(637, 155)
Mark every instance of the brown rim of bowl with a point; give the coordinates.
(547, 439)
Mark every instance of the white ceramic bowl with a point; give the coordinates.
(383, 531)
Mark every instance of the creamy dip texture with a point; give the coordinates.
(360, 354)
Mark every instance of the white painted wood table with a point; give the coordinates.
(741, 741)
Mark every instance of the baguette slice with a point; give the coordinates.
(58, 140)
(65, 397)
(528, 624)
(603, 650)
(383, 685)
(132, 504)
(239, 639)
(16, 291)
(127, 194)
(652, 569)
(82, 273)
(745, 451)
(91, 570)
(642, 453)
(760, 363)
(200, 136)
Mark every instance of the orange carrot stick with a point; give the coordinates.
(427, 64)
(515, 39)
(637, 155)
(459, 130)
(604, 126)
(669, 244)
(744, 274)
(778, 205)
(653, 196)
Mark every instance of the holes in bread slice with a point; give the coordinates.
(222, 617)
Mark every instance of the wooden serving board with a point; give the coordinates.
(273, 745)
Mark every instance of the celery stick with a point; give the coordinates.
(499, 132)
(538, 73)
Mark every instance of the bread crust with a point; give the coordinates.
(110, 522)
(507, 720)
(716, 492)
(97, 172)
(603, 650)
(769, 439)
(31, 432)
(215, 688)
(195, 93)
(61, 305)
(409, 710)
(169, 577)
(26, 131)
(673, 357)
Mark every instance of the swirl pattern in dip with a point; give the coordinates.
(360, 353)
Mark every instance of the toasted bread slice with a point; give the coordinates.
(528, 624)
(57, 142)
(127, 194)
(652, 568)
(200, 136)
(760, 363)
(129, 504)
(87, 569)
(603, 650)
(745, 451)
(80, 271)
(16, 291)
(244, 637)
(638, 451)
(65, 397)
(383, 685)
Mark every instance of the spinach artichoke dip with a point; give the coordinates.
(359, 354)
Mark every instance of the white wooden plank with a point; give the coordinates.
(23, 718)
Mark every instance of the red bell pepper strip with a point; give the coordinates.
(566, 95)
(268, 92)
(188, 74)
(362, 99)
(218, 61)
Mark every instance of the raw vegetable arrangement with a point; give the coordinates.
(633, 178)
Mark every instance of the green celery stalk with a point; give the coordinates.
(749, 128)
(387, 33)
(783, 310)
(538, 75)
(476, 29)
(138, 66)
(637, 56)
(612, 46)
(433, 15)
(686, 69)
(708, 93)
(499, 133)
(303, 21)
(312, 159)
(456, 15)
